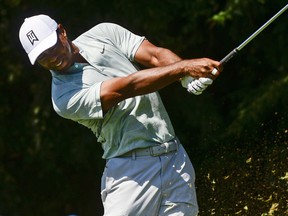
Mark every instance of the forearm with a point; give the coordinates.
(142, 82)
(146, 81)
(154, 79)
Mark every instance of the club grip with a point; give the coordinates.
(229, 56)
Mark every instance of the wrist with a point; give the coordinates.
(185, 68)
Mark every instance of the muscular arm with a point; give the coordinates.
(166, 68)
(142, 82)
(152, 56)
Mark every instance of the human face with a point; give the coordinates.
(58, 57)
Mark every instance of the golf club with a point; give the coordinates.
(190, 83)
(242, 45)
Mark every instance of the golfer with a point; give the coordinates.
(97, 82)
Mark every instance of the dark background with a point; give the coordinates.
(235, 132)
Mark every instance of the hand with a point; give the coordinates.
(202, 72)
(202, 67)
(199, 85)
(186, 80)
(196, 86)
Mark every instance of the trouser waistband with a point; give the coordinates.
(164, 148)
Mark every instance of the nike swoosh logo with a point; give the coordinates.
(103, 50)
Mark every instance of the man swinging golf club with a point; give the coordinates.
(96, 82)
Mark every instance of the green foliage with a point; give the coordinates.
(236, 132)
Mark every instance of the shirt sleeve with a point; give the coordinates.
(78, 103)
(123, 39)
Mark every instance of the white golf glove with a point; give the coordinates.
(196, 86)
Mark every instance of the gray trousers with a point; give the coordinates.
(150, 186)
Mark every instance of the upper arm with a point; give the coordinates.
(153, 56)
(147, 54)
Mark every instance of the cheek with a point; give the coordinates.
(68, 54)
(68, 49)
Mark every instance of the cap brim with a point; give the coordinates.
(41, 47)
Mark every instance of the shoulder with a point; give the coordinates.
(102, 30)
(106, 28)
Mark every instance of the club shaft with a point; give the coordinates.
(242, 45)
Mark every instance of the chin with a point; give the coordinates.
(64, 67)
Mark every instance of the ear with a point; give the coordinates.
(62, 30)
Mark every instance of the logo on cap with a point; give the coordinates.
(32, 37)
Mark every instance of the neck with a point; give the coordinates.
(76, 55)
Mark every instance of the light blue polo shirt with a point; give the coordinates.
(136, 122)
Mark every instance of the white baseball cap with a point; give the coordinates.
(37, 34)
